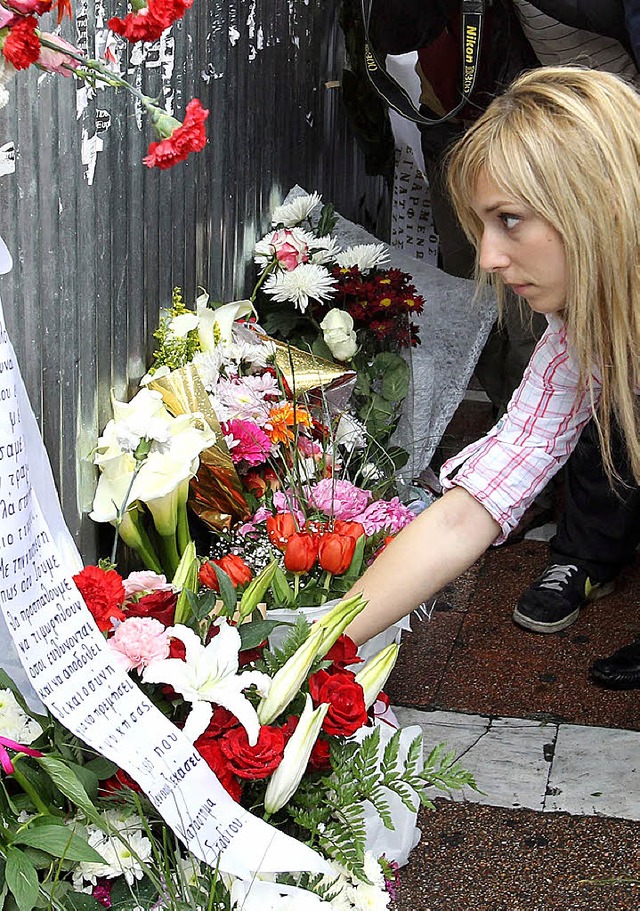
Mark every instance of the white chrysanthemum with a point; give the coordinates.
(14, 723)
(308, 281)
(364, 256)
(120, 858)
(350, 432)
(324, 249)
(292, 213)
(209, 364)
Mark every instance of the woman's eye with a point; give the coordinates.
(509, 221)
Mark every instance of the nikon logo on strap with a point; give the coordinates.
(472, 14)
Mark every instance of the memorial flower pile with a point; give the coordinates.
(24, 43)
(345, 304)
(290, 732)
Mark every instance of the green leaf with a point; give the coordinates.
(395, 377)
(227, 591)
(22, 879)
(354, 571)
(60, 842)
(65, 780)
(102, 768)
(321, 349)
(254, 634)
(80, 901)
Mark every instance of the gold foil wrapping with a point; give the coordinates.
(216, 494)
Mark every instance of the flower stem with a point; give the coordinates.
(28, 788)
(268, 270)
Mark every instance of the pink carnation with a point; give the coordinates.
(340, 499)
(385, 515)
(58, 61)
(141, 583)
(249, 444)
(139, 641)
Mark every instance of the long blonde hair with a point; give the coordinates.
(565, 142)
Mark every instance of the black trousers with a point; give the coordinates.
(599, 529)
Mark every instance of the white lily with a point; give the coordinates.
(286, 683)
(209, 674)
(216, 326)
(286, 778)
(376, 671)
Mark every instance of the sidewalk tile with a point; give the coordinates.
(596, 771)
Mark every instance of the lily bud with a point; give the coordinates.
(286, 778)
(375, 674)
(255, 591)
(335, 622)
(286, 684)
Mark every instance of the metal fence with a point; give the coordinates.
(99, 241)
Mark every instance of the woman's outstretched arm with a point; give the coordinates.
(437, 546)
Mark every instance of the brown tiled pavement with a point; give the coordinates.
(471, 658)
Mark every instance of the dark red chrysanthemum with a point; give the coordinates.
(189, 137)
(22, 46)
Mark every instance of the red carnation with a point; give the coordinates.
(253, 762)
(188, 136)
(160, 605)
(103, 593)
(222, 721)
(22, 46)
(151, 21)
(347, 712)
(209, 749)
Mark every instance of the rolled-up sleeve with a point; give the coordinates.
(507, 468)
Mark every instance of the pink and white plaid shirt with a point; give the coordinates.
(507, 468)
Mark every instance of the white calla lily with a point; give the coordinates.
(209, 674)
(216, 326)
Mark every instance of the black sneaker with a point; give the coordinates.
(554, 600)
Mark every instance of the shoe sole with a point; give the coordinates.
(537, 626)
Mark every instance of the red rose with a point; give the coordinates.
(343, 652)
(209, 749)
(222, 721)
(336, 552)
(22, 46)
(103, 593)
(159, 605)
(301, 552)
(189, 136)
(280, 528)
(233, 565)
(347, 712)
(254, 762)
(320, 758)
(255, 483)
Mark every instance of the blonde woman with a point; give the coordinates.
(546, 184)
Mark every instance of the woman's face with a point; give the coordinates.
(524, 249)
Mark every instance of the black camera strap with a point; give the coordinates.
(472, 14)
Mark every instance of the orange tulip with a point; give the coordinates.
(301, 552)
(233, 565)
(336, 552)
(353, 529)
(280, 528)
